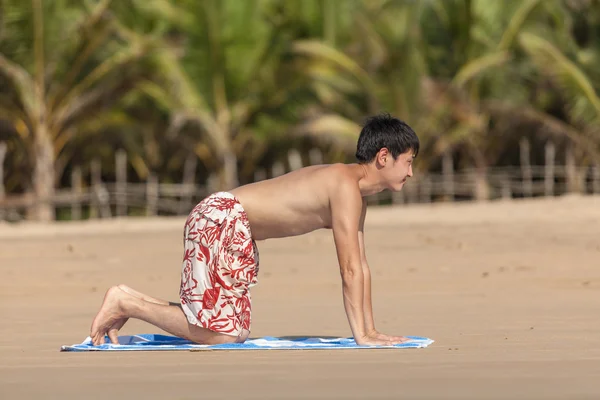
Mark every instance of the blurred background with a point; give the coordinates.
(143, 107)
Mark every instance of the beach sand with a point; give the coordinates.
(509, 291)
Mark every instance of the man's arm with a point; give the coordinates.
(346, 205)
(367, 304)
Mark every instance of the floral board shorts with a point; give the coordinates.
(220, 265)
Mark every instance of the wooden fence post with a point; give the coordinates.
(481, 190)
(448, 176)
(77, 190)
(526, 167)
(596, 179)
(505, 186)
(399, 197)
(3, 149)
(425, 189)
(96, 181)
(571, 170)
(315, 156)
(121, 184)
(100, 196)
(277, 169)
(294, 159)
(412, 192)
(549, 169)
(189, 178)
(152, 193)
(260, 175)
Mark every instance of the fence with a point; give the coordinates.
(501, 183)
(105, 200)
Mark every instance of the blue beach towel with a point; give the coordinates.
(152, 342)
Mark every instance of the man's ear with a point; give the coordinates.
(382, 157)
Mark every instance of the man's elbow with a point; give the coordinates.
(351, 272)
(366, 272)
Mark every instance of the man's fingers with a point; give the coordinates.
(99, 339)
(112, 335)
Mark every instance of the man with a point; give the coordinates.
(220, 262)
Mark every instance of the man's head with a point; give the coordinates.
(390, 144)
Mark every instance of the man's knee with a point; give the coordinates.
(203, 335)
(243, 336)
(124, 287)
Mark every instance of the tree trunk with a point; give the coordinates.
(43, 175)
(228, 174)
(482, 189)
(575, 175)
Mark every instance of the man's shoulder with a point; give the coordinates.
(342, 173)
(335, 176)
(343, 183)
(345, 199)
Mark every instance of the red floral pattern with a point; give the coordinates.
(220, 265)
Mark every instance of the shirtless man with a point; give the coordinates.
(220, 262)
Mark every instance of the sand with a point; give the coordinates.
(509, 291)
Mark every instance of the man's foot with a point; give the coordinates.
(111, 316)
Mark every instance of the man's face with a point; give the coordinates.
(400, 170)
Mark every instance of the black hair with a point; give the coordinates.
(383, 130)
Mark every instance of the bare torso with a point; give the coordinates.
(295, 203)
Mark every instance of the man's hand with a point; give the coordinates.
(382, 336)
(375, 338)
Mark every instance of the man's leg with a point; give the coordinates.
(119, 305)
(145, 297)
(114, 329)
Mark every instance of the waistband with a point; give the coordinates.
(220, 205)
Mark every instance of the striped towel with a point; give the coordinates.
(152, 342)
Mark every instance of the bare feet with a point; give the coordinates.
(121, 302)
(111, 316)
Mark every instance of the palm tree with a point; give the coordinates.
(361, 58)
(561, 78)
(63, 64)
(240, 77)
(475, 67)
(571, 81)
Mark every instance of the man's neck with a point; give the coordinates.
(369, 182)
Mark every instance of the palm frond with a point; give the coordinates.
(321, 51)
(589, 143)
(181, 87)
(516, 23)
(121, 59)
(10, 111)
(330, 128)
(163, 9)
(584, 103)
(94, 30)
(478, 66)
(91, 102)
(23, 83)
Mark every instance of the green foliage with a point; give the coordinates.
(239, 83)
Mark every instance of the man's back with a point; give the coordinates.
(295, 203)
